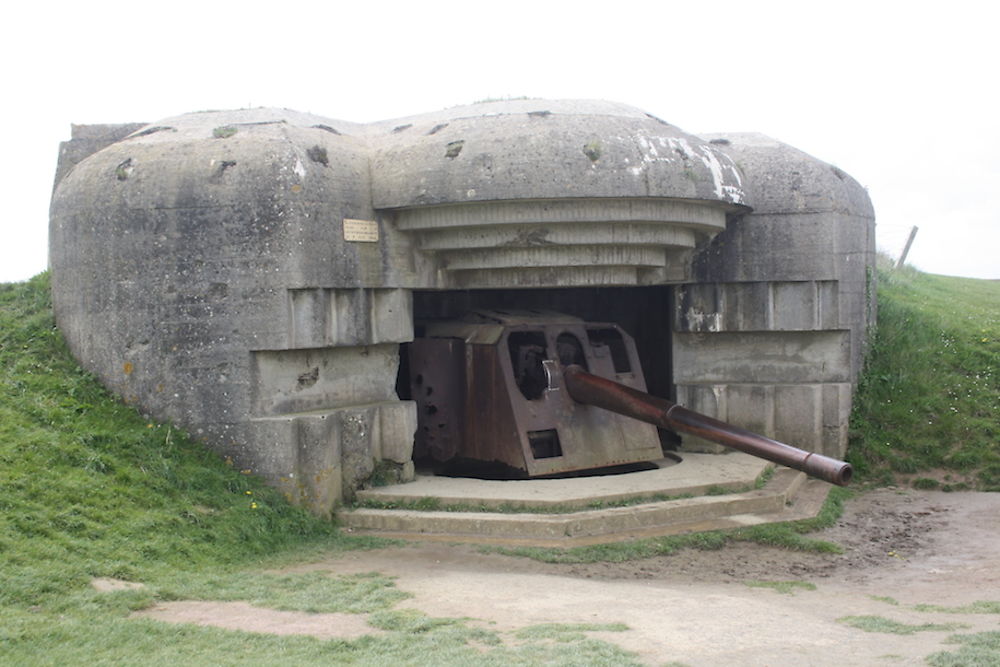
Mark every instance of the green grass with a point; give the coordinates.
(785, 587)
(981, 649)
(567, 632)
(930, 397)
(886, 599)
(977, 607)
(314, 592)
(410, 638)
(889, 626)
(91, 488)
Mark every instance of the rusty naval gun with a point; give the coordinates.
(542, 393)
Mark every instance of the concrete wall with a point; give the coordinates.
(248, 274)
(200, 272)
(774, 331)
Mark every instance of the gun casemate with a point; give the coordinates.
(542, 393)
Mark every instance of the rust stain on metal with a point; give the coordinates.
(601, 392)
(496, 399)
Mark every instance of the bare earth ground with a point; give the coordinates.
(693, 607)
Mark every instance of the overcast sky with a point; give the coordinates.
(902, 96)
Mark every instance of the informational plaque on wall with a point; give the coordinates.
(360, 231)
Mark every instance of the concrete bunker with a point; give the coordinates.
(251, 275)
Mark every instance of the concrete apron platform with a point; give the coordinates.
(702, 492)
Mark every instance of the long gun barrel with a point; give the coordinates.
(603, 393)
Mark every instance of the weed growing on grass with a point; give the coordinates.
(981, 648)
(886, 625)
(764, 477)
(785, 587)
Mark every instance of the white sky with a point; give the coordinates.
(902, 96)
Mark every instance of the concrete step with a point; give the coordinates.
(555, 515)
(693, 475)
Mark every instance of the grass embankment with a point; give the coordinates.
(927, 411)
(90, 488)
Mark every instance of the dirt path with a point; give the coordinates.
(694, 607)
